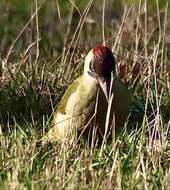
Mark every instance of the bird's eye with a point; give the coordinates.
(92, 67)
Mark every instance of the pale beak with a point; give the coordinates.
(105, 86)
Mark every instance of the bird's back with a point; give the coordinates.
(74, 110)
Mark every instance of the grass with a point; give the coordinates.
(42, 47)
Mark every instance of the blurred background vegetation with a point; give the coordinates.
(54, 18)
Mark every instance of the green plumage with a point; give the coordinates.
(71, 89)
(74, 110)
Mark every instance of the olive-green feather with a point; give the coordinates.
(71, 89)
(74, 110)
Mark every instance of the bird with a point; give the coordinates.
(86, 100)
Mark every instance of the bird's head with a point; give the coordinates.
(99, 64)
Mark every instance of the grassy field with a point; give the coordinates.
(42, 50)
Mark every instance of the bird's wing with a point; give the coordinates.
(71, 89)
(74, 110)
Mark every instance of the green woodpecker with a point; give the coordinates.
(86, 99)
